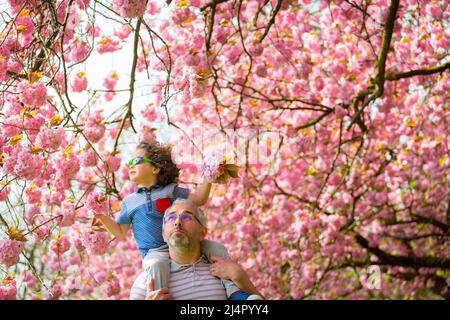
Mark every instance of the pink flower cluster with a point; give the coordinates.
(79, 83)
(211, 164)
(112, 286)
(96, 242)
(110, 83)
(79, 51)
(68, 213)
(54, 293)
(97, 203)
(4, 57)
(28, 166)
(60, 245)
(10, 252)
(50, 138)
(67, 166)
(33, 194)
(88, 158)
(94, 128)
(34, 95)
(8, 289)
(107, 44)
(130, 8)
(113, 162)
(30, 213)
(146, 134)
(4, 191)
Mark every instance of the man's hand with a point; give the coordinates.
(160, 294)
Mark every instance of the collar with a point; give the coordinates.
(145, 189)
(202, 258)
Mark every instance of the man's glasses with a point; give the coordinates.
(138, 160)
(184, 217)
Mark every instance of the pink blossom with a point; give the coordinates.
(54, 293)
(192, 59)
(79, 83)
(183, 15)
(30, 213)
(107, 44)
(113, 162)
(67, 166)
(29, 279)
(8, 289)
(27, 165)
(211, 163)
(41, 233)
(111, 81)
(97, 203)
(34, 95)
(79, 51)
(96, 242)
(146, 134)
(60, 244)
(123, 32)
(94, 128)
(33, 194)
(4, 191)
(68, 213)
(130, 8)
(88, 158)
(261, 70)
(255, 48)
(112, 286)
(50, 138)
(10, 252)
(16, 5)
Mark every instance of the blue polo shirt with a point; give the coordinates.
(144, 210)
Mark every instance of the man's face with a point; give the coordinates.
(142, 173)
(183, 232)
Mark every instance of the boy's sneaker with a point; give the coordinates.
(239, 295)
(255, 297)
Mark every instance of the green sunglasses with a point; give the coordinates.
(138, 160)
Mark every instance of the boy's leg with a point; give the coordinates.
(139, 287)
(213, 248)
(156, 265)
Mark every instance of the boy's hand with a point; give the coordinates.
(160, 294)
(97, 225)
(225, 269)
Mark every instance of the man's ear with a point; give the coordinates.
(203, 233)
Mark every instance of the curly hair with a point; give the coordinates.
(162, 155)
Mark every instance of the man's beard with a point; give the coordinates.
(182, 241)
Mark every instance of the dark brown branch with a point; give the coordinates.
(386, 43)
(419, 72)
(272, 20)
(403, 261)
(211, 4)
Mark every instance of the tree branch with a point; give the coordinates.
(419, 72)
(403, 261)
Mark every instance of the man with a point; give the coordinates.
(192, 276)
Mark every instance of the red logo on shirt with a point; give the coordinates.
(162, 204)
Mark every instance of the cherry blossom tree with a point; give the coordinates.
(336, 111)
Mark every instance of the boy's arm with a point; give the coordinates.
(118, 230)
(201, 194)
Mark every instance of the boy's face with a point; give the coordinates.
(145, 173)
